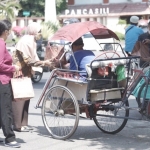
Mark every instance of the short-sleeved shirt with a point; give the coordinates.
(131, 37)
(82, 57)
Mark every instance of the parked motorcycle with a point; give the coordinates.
(38, 73)
(39, 70)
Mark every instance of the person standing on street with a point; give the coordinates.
(25, 56)
(6, 97)
(132, 32)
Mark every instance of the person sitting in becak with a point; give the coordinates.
(82, 56)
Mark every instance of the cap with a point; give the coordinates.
(134, 19)
(79, 41)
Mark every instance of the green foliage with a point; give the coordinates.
(48, 29)
(60, 6)
(37, 7)
(120, 35)
(121, 21)
(8, 9)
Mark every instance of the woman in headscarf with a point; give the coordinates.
(25, 56)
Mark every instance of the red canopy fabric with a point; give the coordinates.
(73, 31)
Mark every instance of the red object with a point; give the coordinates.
(18, 29)
(103, 71)
(6, 68)
(143, 22)
(73, 31)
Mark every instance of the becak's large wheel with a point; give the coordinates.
(110, 123)
(58, 106)
(108, 55)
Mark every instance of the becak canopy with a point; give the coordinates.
(73, 31)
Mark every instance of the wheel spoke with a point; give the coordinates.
(58, 104)
(111, 124)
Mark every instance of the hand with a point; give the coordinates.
(39, 63)
(146, 41)
(47, 62)
(17, 68)
(56, 62)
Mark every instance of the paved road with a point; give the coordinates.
(135, 136)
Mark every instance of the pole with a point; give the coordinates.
(50, 11)
(26, 23)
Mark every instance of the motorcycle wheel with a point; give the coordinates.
(37, 77)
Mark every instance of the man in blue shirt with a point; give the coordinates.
(82, 56)
(132, 33)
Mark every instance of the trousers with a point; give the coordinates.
(20, 113)
(6, 112)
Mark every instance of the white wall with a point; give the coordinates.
(112, 23)
(83, 2)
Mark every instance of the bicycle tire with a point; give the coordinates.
(107, 121)
(58, 113)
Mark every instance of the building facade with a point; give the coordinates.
(107, 12)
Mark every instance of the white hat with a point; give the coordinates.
(134, 19)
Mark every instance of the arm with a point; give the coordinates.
(27, 52)
(27, 59)
(4, 68)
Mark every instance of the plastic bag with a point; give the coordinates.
(120, 71)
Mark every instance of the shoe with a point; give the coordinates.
(27, 127)
(13, 144)
(17, 130)
(1, 141)
(23, 129)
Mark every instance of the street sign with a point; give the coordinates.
(26, 13)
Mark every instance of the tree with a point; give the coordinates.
(36, 7)
(60, 6)
(9, 9)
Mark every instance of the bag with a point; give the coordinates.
(103, 71)
(120, 71)
(129, 29)
(22, 88)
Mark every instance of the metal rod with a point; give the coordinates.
(45, 88)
